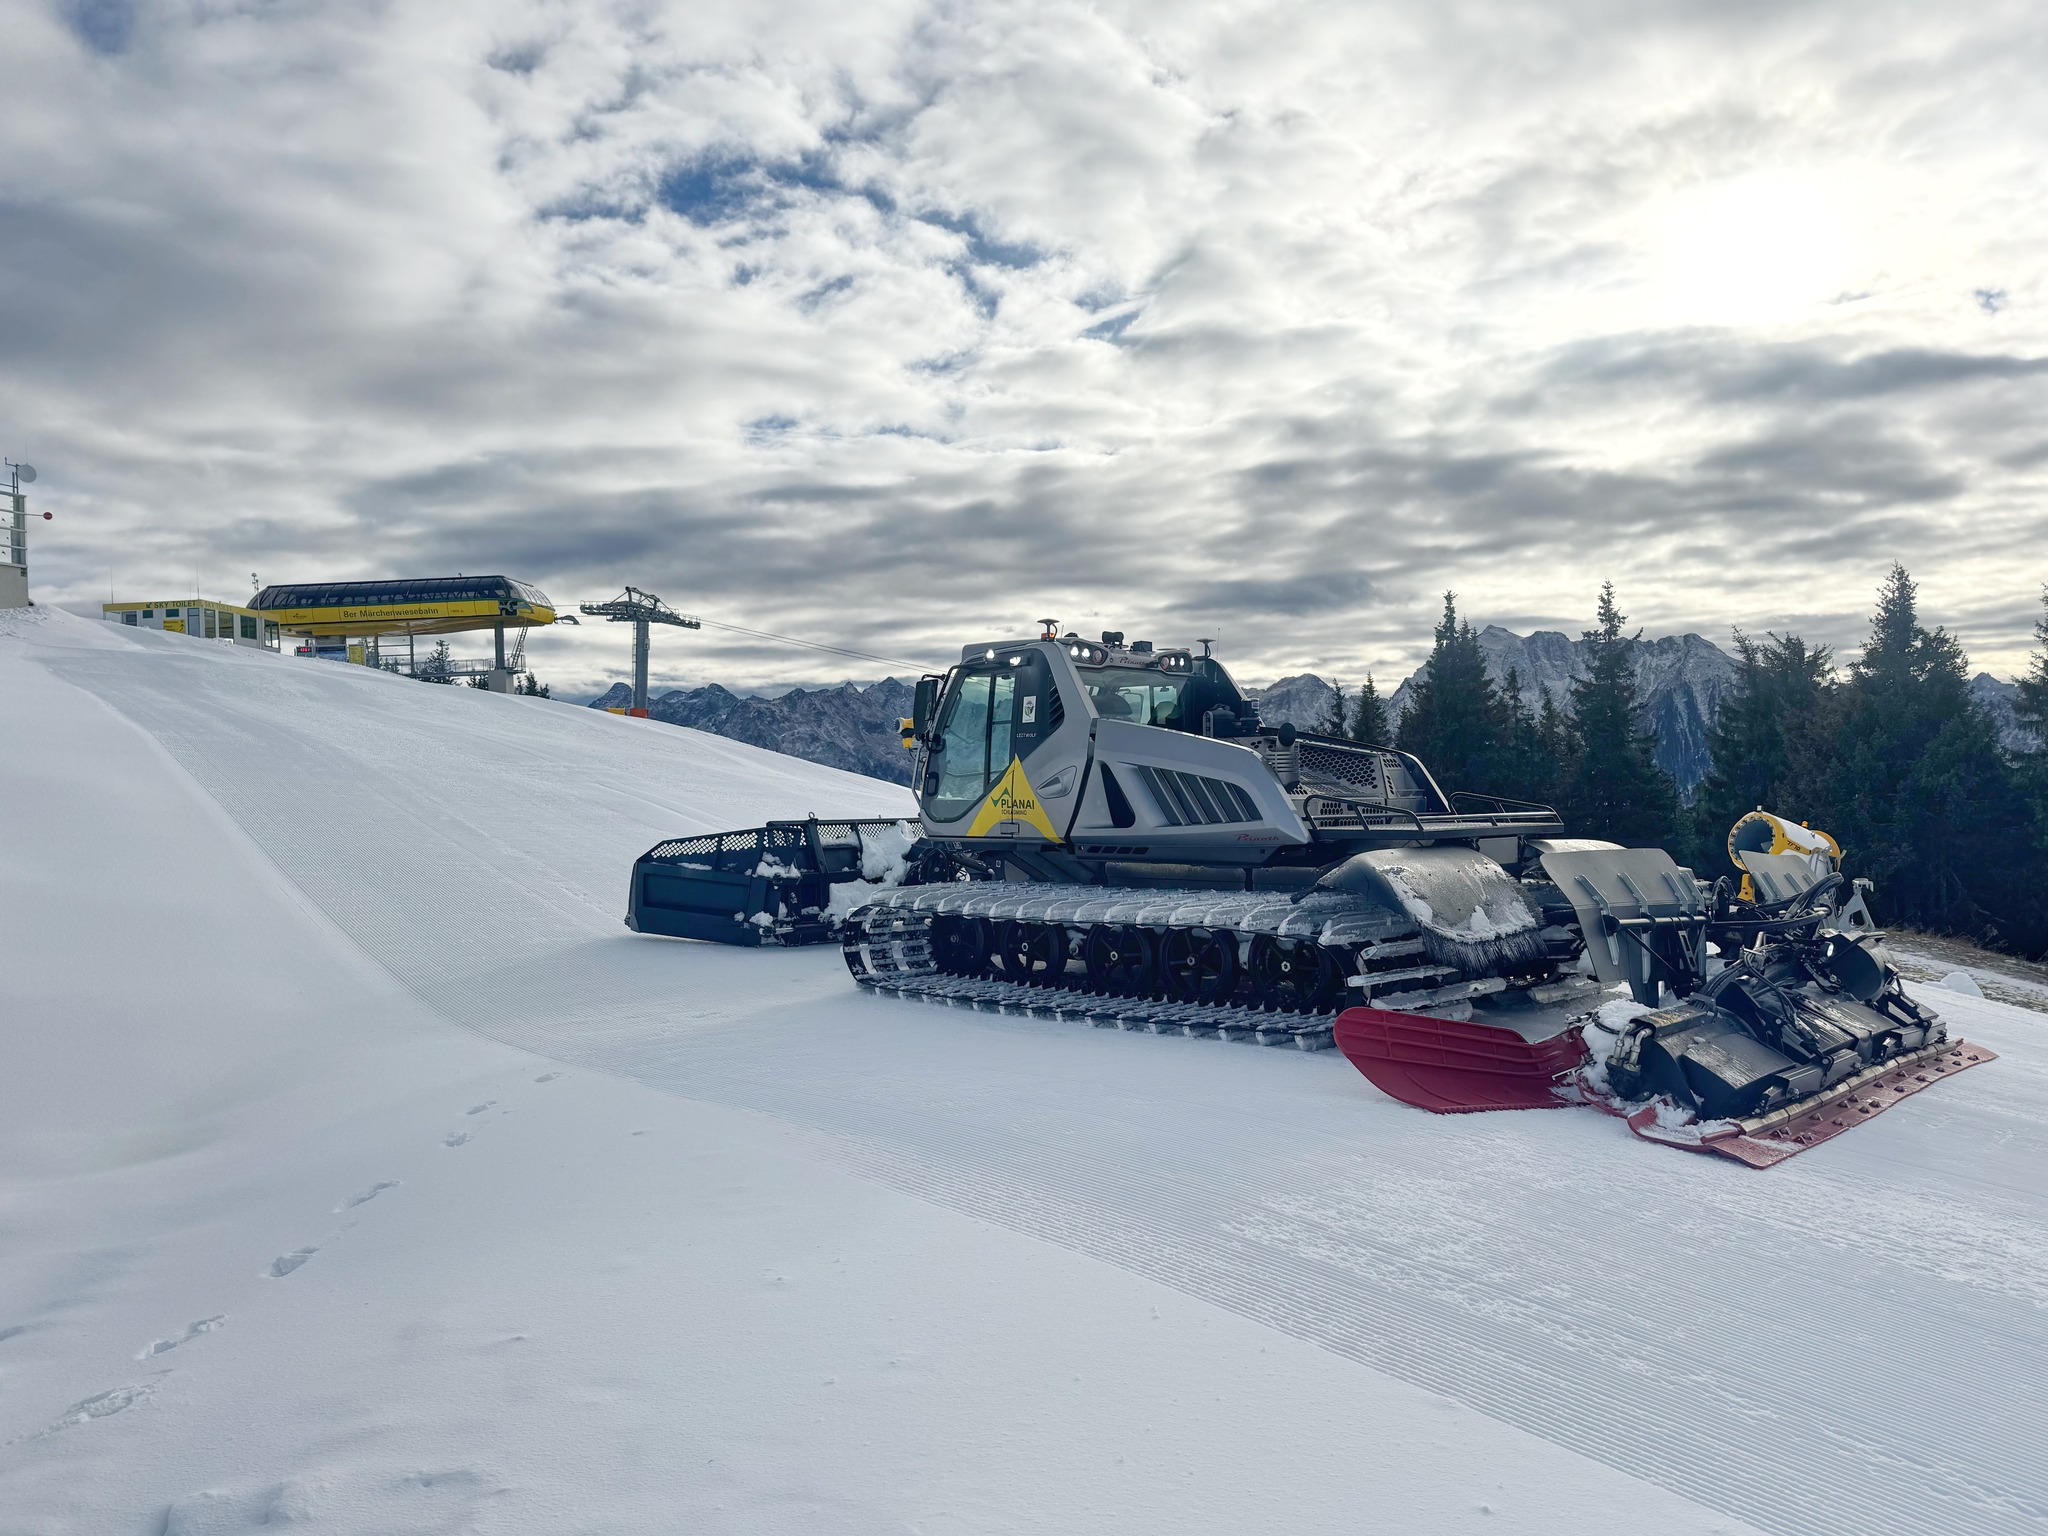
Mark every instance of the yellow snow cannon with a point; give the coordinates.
(1778, 852)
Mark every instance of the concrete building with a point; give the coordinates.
(14, 538)
(198, 616)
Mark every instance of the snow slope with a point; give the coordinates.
(664, 1236)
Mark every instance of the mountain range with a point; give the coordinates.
(852, 726)
(1682, 679)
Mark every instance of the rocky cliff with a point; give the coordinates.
(1997, 698)
(1302, 701)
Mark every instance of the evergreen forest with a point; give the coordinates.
(1889, 753)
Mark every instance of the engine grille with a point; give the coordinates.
(1193, 800)
(1358, 769)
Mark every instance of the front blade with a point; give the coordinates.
(1449, 1067)
(1769, 1139)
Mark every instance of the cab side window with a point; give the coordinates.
(963, 749)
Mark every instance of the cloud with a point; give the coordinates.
(903, 323)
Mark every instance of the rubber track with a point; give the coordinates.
(1196, 1021)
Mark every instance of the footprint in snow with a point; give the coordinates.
(366, 1196)
(547, 1077)
(164, 1346)
(454, 1138)
(487, 1103)
(103, 1405)
(285, 1263)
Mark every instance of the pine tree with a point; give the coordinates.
(1455, 721)
(1369, 716)
(2031, 707)
(1526, 758)
(479, 680)
(2031, 768)
(1770, 743)
(533, 687)
(1615, 789)
(1335, 722)
(1925, 801)
(1559, 740)
(437, 668)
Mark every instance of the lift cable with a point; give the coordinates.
(762, 634)
(815, 645)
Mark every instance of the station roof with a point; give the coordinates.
(427, 605)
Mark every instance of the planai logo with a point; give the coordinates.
(1012, 801)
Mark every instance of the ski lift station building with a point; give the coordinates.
(432, 605)
(200, 616)
(347, 619)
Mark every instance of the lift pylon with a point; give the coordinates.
(640, 609)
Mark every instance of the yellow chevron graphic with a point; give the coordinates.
(1013, 799)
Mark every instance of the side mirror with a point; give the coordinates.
(921, 708)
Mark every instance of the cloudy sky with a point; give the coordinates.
(896, 325)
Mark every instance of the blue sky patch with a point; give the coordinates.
(105, 26)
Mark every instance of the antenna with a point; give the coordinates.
(1205, 643)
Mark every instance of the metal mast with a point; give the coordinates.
(639, 609)
(14, 534)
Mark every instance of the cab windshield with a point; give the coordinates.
(994, 716)
(1136, 694)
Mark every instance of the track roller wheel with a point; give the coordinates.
(1290, 975)
(1120, 959)
(1201, 964)
(1035, 953)
(960, 945)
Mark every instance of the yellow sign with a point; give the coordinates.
(175, 626)
(398, 618)
(1013, 799)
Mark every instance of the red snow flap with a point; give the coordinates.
(1449, 1067)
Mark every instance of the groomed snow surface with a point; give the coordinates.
(362, 1173)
